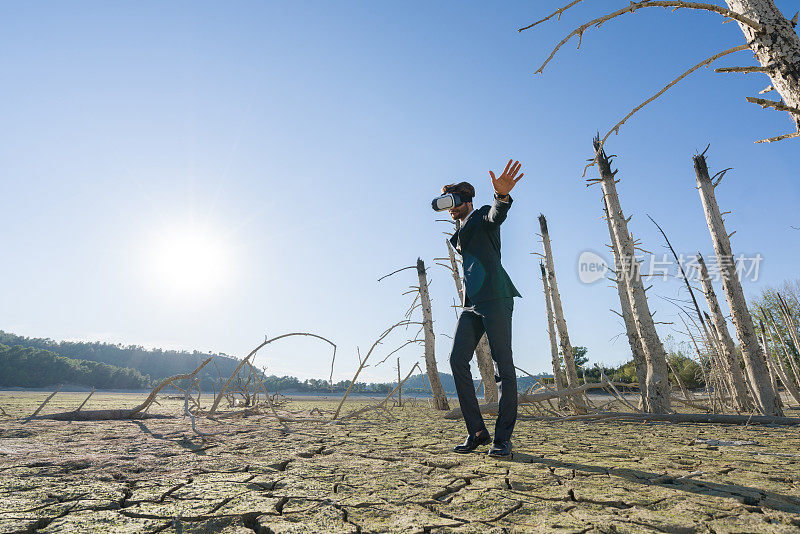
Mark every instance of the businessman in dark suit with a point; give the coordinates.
(487, 307)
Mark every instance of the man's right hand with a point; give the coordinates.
(506, 182)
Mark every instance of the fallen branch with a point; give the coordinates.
(616, 393)
(135, 413)
(733, 419)
(385, 400)
(101, 415)
(150, 398)
(246, 359)
(529, 398)
(692, 404)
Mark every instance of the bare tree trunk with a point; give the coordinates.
(791, 326)
(777, 48)
(728, 349)
(786, 378)
(634, 339)
(773, 371)
(754, 362)
(773, 329)
(558, 376)
(482, 351)
(399, 385)
(714, 346)
(439, 397)
(561, 323)
(657, 387)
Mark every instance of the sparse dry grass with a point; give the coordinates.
(379, 476)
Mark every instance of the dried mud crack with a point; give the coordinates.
(374, 475)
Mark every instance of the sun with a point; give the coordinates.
(188, 260)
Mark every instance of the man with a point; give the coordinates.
(488, 306)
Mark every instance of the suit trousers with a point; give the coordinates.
(494, 318)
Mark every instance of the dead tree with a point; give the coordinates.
(634, 339)
(482, 352)
(561, 323)
(656, 385)
(223, 389)
(766, 398)
(789, 380)
(558, 376)
(362, 362)
(426, 327)
(769, 35)
(727, 347)
(776, 46)
(439, 396)
(139, 412)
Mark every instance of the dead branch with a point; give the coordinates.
(189, 413)
(85, 400)
(364, 361)
(779, 138)
(732, 419)
(705, 62)
(616, 392)
(385, 400)
(224, 388)
(530, 398)
(269, 399)
(692, 404)
(765, 103)
(744, 70)
(409, 342)
(395, 272)
(42, 405)
(556, 13)
(634, 6)
(163, 384)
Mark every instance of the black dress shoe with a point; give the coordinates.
(500, 449)
(473, 442)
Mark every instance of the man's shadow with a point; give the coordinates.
(744, 494)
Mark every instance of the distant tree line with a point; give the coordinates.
(32, 367)
(156, 363)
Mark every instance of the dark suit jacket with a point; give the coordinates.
(478, 242)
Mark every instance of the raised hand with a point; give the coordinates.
(506, 182)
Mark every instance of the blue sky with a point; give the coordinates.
(303, 141)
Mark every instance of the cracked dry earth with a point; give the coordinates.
(375, 475)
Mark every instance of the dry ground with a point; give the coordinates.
(380, 476)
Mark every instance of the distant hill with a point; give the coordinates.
(33, 367)
(156, 363)
(449, 384)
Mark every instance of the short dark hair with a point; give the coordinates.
(464, 190)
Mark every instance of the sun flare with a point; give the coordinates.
(188, 260)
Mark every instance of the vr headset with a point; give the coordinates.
(448, 201)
